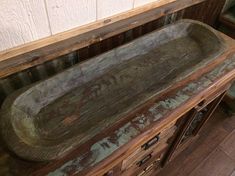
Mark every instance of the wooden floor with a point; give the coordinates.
(212, 154)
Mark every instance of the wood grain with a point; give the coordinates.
(217, 164)
(22, 22)
(106, 8)
(118, 155)
(64, 15)
(209, 139)
(138, 3)
(103, 94)
(228, 127)
(228, 145)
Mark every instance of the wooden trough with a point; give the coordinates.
(52, 117)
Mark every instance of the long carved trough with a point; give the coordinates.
(51, 118)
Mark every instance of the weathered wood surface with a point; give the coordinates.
(58, 114)
(24, 60)
(151, 117)
(112, 146)
(206, 11)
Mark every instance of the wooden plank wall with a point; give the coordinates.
(22, 21)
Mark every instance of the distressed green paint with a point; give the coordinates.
(99, 151)
(141, 121)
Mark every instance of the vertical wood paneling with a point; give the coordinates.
(106, 8)
(22, 21)
(207, 12)
(138, 3)
(67, 14)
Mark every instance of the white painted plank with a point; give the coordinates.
(22, 21)
(106, 8)
(138, 3)
(68, 14)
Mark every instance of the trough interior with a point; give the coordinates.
(80, 113)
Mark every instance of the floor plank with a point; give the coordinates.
(228, 145)
(229, 123)
(218, 163)
(210, 137)
(219, 128)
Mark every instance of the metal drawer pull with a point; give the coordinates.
(143, 161)
(150, 167)
(151, 142)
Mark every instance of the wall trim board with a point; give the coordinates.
(38, 52)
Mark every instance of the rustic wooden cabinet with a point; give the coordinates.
(191, 123)
(155, 153)
(148, 156)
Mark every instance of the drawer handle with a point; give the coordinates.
(151, 166)
(201, 104)
(143, 161)
(151, 142)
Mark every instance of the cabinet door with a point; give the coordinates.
(191, 124)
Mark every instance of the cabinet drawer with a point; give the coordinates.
(151, 161)
(153, 145)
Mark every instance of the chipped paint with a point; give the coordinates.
(126, 133)
(158, 110)
(189, 87)
(105, 147)
(99, 151)
(74, 166)
(172, 103)
(155, 112)
(102, 149)
(141, 121)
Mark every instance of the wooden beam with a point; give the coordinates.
(21, 58)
